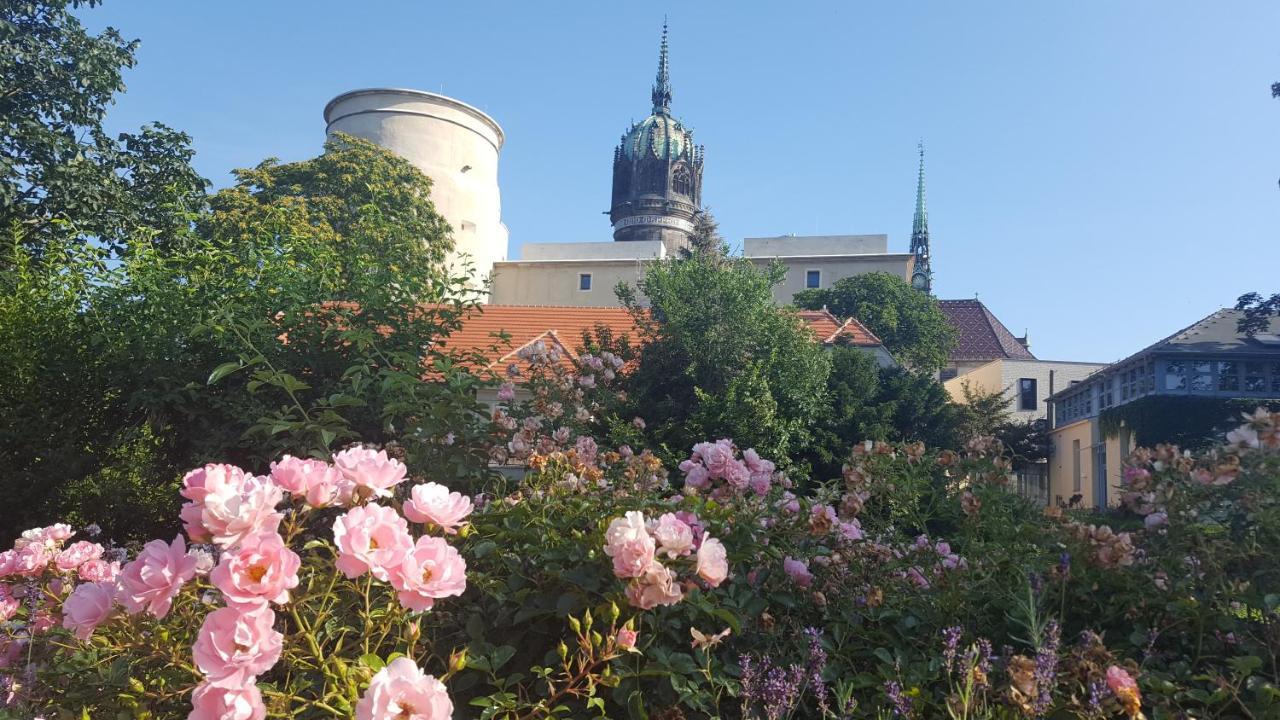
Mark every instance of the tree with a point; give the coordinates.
(984, 412)
(718, 359)
(873, 403)
(909, 322)
(1258, 312)
(61, 174)
(706, 238)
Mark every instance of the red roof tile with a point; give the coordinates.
(980, 336)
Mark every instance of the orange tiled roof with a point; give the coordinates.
(562, 327)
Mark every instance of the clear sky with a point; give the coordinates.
(1099, 173)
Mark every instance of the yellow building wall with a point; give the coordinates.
(1064, 458)
(981, 380)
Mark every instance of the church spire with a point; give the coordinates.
(922, 276)
(662, 85)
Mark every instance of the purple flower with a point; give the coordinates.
(1046, 671)
(901, 703)
(798, 571)
(950, 641)
(817, 663)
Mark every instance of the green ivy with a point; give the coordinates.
(1190, 422)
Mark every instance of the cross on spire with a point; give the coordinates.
(662, 85)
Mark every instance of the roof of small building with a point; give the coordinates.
(563, 327)
(979, 334)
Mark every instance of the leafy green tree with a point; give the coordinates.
(873, 403)
(706, 238)
(1258, 312)
(305, 312)
(910, 322)
(984, 412)
(718, 359)
(61, 173)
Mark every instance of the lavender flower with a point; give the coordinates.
(902, 706)
(817, 663)
(1097, 691)
(950, 641)
(1046, 671)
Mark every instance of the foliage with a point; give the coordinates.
(717, 359)
(984, 412)
(61, 175)
(909, 322)
(873, 403)
(1190, 422)
(706, 238)
(300, 314)
(1258, 312)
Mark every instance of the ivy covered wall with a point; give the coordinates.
(1189, 422)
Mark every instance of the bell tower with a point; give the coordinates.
(657, 172)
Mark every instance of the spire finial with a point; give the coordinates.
(920, 222)
(922, 276)
(662, 85)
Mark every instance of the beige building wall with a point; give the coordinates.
(557, 282)
(982, 379)
(1005, 375)
(831, 268)
(1073, 462)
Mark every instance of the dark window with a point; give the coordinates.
(812, 278)
(584, 281)
(682, 181)
(1228, 376)
(949, 373)
(1027, 394)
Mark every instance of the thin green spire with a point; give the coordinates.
(920, 222)
(662, 86)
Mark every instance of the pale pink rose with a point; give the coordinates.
(60, 532)
(236, 645)
(210, 702)
(371, 538)
(43, 622)
(87, 607)
(263, 569)
(8, 562)
(371, 469)
(195, 484)
(656, 587)
(506, 392)
(798, 571)
(626, 638)
(8, 607)
(629, 544)
(315, 481)
(433, 503)
(851, 530)
(1155, 520)
(402, 690)
(154, 578)
(434, 569)
(673, 535)
(32, 559)
(191, 515)
(231, 512)
(99, 571)
(77, 554)
(713, 563)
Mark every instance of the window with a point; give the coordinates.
(1175, 375)
(949, 374)
(1275, 377)
(682, 181)
(584, 281)
(1202, 379)
(812, 278)
(1228, 376)
(1027, 394)
(1075, 466)
(1255, 377)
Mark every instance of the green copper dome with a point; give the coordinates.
(657, 136)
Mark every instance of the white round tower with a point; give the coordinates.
(452, 143)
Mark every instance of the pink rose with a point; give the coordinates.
(232, 511)
(629, 544)
(851, 530)
(371, 469)
(402, 690)
(506, 392)
(1155, 520)
(87, 607)
(371, 538)
(60, 532)
(316, 481)
(798, 571)
(433, 503)
(8, 607)
(713, 565)
(263, 569)
(236, 645)
(195, 484)
(626, 638)
(656, 587)
(210, 702)
(77, 554)
(8, 562)
(673, 535)
(32, 559)
(433, 569)
(152, 580)
(99, 571)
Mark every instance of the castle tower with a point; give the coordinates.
(451, 142)
(922, 276)
(657, 172)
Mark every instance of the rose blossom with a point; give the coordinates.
(8, 562)
(87, 607)
(1155, 520)
(8, 607)
(433, 503)
(712, 563)
(402, 690)
(236, 645)
(626, 638)
(1125, 689)
(798, 571)
(433, 569)
(77, 554)
(674, 536)
(371, 469)
(371, 538)
(99, 571)
(210, 702)
(316, 481)
(629, 544)
(32, 559)
(263, 569)
(656, 587)
(152, 580)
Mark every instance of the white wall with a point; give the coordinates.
(1004, 375)
(815, 245)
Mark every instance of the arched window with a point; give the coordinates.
(682, 181)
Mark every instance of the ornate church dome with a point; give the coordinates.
(657, 173)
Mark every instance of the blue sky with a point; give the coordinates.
(1099, 173)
